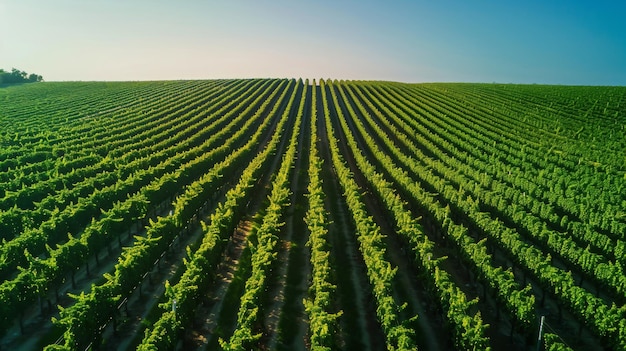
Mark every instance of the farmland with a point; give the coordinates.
(284, 214)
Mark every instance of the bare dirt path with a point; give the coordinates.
(143, 300)
(208, 313)
(223, 297)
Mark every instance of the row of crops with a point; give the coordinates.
(467, 211)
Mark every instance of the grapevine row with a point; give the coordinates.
(184, 294)
(379, 270)
(322, 321)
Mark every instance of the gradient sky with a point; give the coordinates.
(551, 42)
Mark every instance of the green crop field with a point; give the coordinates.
(276, 214)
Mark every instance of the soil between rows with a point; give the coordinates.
(217, 313)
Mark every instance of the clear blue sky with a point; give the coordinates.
(554, 42)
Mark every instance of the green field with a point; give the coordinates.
(276, 214)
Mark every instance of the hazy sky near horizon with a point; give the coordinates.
(551, 42)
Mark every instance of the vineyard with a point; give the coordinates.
(282, 214)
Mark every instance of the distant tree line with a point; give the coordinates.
(17, 76)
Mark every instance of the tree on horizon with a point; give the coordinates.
(17, 76)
